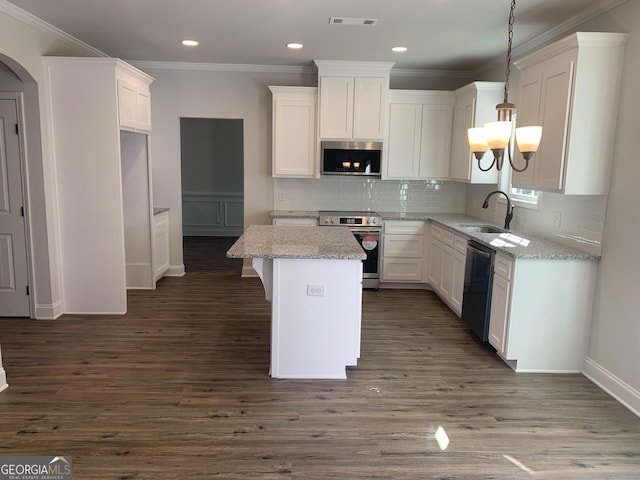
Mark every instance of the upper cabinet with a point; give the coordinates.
(571, 88)
(475, 105)
(134, 103)
(295, 137)
(418, 135)
(352, 99)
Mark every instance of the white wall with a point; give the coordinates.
(23, 42)
(614, 350)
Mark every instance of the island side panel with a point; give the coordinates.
(316, 312)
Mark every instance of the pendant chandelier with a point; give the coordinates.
(497, 135)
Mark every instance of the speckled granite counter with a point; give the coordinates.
(295, 214)
(277, 241)
(514, 243)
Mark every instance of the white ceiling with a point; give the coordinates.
(440, 34)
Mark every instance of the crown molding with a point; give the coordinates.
(33, 21)
(554, 33)
(432, 73)
(223, 67)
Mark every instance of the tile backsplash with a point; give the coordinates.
(369, 194)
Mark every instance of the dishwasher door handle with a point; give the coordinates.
(476, 251)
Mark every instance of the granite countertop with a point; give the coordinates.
(514, 243)
(159, 210)
(295, 214)
(279, 241)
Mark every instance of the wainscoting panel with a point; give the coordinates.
(212, 214)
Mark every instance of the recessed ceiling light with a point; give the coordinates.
(294, 46)
(189, 43)
(399, 49)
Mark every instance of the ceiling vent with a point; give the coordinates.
(353, 21)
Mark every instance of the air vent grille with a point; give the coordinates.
(367, 22)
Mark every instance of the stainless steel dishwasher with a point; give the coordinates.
(478, 281)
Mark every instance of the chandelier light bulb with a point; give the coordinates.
(528, 138)
(498, 134)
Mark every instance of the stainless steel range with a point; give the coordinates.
(366, 227)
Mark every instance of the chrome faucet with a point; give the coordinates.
(509, 215)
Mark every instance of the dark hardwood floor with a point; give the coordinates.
(178, 388)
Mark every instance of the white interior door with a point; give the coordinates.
(14, 300)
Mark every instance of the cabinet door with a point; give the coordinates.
(407, 246)
(143, 109)
(127, 104)
(553, 106)
(403, 144)
(370, 98)
(457, 281)
(161, 244)
(446, 282)
(435, 141)
(460, 165)
(336, 107)
(402, 269)
(435, 264)
(499, 317)
(294, 137)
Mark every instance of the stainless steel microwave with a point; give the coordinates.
(351, 158)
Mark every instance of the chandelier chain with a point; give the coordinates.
(507, 72)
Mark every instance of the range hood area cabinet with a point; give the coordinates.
(352, 99)
(103, 177)
(571, 88)
(418, 139)
(295, 135)
(475, 105)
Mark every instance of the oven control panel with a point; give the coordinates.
(368, 219)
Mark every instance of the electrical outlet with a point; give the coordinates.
(282, 196)
(316, 290)
(557, 220)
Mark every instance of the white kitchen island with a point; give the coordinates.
(313, 278)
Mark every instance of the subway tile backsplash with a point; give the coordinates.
(369, 194)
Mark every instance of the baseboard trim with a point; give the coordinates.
(614, 386)
(49, 311)
(175, 271)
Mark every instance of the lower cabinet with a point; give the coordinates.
(541, 312)
(160, 244)
(300, 222)
(447, 261)
(403, 251)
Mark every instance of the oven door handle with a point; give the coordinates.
(366, 232)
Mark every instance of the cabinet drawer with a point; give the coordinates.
(448, 238)
(503, 267)
(409, 227)
(461, 245)
(402, 269)
(407, 246)
(436, 232)
(301, 222)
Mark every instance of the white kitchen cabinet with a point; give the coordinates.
(418, 136)
(160, 244)
(295, 136)
(541, 312)
(103, 176)
(447, 263)
(571, 88)
(403, 251)
(134, 104)
(352, 99)
(475, 105)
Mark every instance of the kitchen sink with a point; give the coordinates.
(482, 229)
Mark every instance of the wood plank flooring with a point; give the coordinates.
(178, 388)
